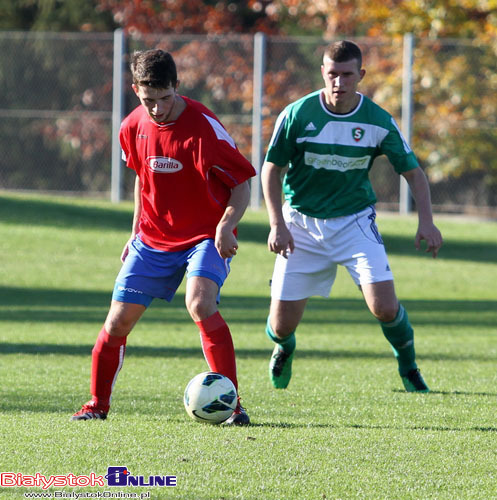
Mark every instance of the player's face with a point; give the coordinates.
(158, 102)
(341, 80)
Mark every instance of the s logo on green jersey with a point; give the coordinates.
(357, 134)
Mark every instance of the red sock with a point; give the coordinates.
(217, 345)
(107, 359)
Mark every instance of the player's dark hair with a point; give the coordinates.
(343, 51)
(153, 68)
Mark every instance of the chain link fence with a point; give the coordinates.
(55, 111)
(56, 106)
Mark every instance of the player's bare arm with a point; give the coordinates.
(226, 242)
(426, 228)
(136, 218)
(280, 240)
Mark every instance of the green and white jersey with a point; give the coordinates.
(330, 155)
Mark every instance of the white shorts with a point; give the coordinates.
(321, 245)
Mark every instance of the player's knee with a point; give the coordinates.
(385, 312)
(282, 328)
(118, 326)
(200, 309)
(285, 316)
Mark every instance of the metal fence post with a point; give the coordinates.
(117, 116)
(405, 199)
(258, 90)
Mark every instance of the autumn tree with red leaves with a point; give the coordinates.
(454, 80)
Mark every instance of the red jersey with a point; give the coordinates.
(187, 169)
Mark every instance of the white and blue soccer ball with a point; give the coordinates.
(210, 397)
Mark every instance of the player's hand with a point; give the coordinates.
(432, 236)
(125, 251)
(226, 243)
(280, 240)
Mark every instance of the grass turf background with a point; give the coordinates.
(344, 428)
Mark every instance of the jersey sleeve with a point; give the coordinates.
(281, 147)
(225, 160)
(395, 147)
(127, 154)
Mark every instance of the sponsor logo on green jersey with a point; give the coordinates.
(336, 162)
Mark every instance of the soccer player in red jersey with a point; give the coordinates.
(191, 190)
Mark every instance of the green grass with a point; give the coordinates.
(344, 429)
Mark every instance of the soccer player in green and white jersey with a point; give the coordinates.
(328, 140)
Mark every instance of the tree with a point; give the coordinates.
(192, 17)
(454, 85)
(54, 15)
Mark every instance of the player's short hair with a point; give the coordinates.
(343, 51)
(153, 68)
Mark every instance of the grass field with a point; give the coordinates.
(344, 429)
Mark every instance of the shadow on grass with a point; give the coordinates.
(141, 351)
(45, 305)
(285, 425)
(61, 214)
(36, 403)
(428, 428)
(473, 251)
(455, 393)
(400, 245)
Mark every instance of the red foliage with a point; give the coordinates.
(191, 17)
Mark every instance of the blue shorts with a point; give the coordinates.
(148, 273)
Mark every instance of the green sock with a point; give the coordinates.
(400, 334)
(287, 344)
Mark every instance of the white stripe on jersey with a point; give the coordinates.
(278, 127)
(341, 133)
(221, 133)
(407, 148)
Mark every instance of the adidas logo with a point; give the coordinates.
(310, 127)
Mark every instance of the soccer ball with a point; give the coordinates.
(210, 397)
